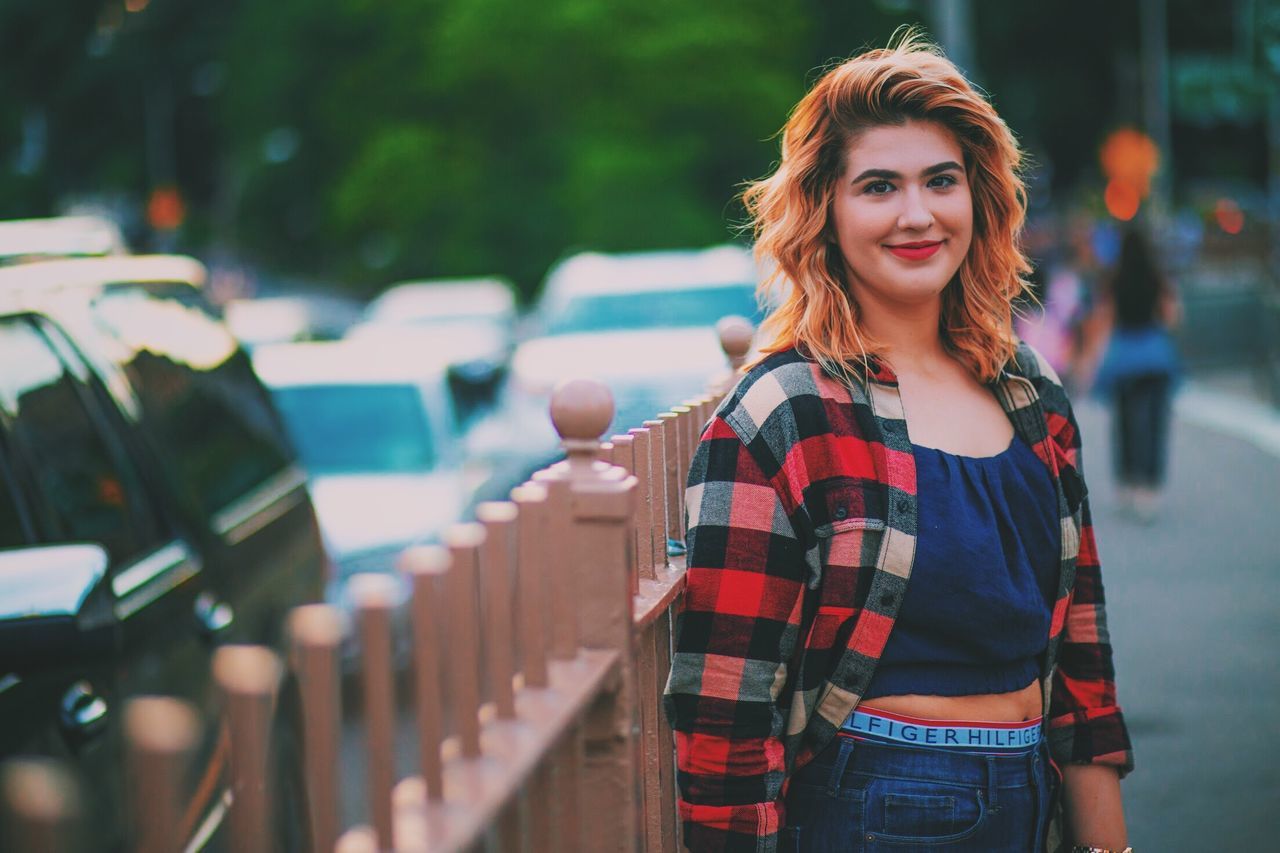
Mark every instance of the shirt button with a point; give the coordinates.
(888, 598)
(904, 505)
(841, 512)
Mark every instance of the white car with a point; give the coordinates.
(473, 319)
(642, 323)
(289, 318)
(374, 427)
(83, 236)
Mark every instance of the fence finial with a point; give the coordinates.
(735, 334)
(581, 410)
(42, 806)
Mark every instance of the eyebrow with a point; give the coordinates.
(886, 174)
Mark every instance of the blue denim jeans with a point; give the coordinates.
(860, 797)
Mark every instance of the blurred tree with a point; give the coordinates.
(447, 138)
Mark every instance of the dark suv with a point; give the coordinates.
(150, 510)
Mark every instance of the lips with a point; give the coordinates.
(915, 251)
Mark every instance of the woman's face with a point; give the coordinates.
(903, 213)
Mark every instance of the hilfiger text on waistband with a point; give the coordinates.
(942, 733)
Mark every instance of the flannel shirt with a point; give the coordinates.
(801, 521)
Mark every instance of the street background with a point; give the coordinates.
(340, 147)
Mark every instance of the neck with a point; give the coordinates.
(909, 333)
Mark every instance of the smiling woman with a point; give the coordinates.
(904, 221)
(894, 634)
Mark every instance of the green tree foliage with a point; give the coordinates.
(452, 137)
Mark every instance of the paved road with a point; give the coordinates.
(1194, 604)
(1193, 601)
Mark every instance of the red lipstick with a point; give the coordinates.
(916, 251)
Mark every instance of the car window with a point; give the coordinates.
(16, 528)
(357, 428)
(211, 416)
(83, 488)
(665, 308)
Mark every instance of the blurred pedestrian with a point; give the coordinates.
(1139, 370)
(894, 629)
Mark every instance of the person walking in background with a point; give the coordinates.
(1055, 326)
(1139, 370)
(894, 634)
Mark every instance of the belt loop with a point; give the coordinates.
(837, 769)
(993, 782)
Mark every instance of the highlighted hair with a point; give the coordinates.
(791, 211)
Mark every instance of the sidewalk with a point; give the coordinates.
(1231, 403)
(1192, 601)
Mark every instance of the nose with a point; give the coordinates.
(915, 214)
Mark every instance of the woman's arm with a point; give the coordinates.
(1091, 795)
(737, 632)
(1087, 733)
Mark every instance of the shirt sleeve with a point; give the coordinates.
(1086, 725)
(735, 636)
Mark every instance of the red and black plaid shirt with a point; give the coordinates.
(801, 535)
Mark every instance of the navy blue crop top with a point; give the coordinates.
(975, 616)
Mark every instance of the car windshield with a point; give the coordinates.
(357, 428)
(621, 311)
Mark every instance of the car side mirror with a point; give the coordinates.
(55, 606)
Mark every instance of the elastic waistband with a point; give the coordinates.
(966, 736)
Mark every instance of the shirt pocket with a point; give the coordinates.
(849, 523)
(840, 506)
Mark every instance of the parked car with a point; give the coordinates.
(150, 510)
(374, 425)
(290, 318)
(470, 322)
(25, 240)
(642, 323)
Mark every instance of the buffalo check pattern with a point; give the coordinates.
(801, 537)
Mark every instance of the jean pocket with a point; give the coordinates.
(907, 814)
(918, 813)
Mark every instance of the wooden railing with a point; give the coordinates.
(541, 638)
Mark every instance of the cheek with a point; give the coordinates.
(960, 220)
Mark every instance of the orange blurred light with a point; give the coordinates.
(1229, 216)
(136, 5)
(1122, 200)
(1130, 156)
(165, 208)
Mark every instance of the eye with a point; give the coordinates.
(878, 188)
(942, 181)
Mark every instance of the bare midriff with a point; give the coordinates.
(1012, 707)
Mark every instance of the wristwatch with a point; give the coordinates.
(1080, 848)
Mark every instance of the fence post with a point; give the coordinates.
(315, 632)
(531, 587)
(646, 546)
(624, 447)
(497, 564)
(463, 542)
(603, 502)
(161, 734)
(531, 596)
(248, 676)
(660, 450)
(424, 566)
(41, 805)
(736, 334)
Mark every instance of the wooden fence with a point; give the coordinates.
(541, 639)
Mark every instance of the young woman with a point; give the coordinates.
(1140, 370)
(893, 636)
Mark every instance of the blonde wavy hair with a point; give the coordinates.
(790, 211)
